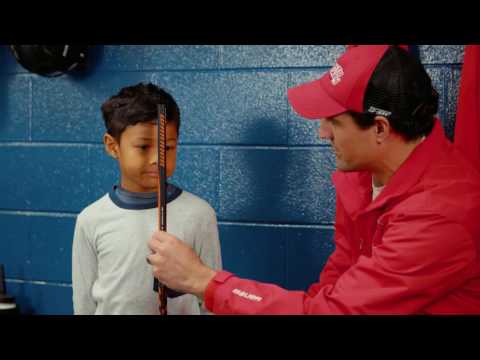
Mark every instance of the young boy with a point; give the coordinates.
(110, 274)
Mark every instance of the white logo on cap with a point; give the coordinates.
(381, 112)
(336, 74)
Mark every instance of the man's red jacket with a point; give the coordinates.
(414, 250)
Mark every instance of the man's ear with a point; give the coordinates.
(111, 145)
(382, 128)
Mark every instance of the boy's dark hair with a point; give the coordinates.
(135, 104)
(400, 85)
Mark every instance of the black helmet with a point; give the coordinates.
(50, 60)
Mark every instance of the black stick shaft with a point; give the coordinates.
(162, 192)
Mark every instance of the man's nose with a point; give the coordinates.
(324, 130)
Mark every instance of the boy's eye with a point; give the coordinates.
(170, 147)
(142, 147)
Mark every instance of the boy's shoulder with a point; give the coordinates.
(99, 206)
(193, 203)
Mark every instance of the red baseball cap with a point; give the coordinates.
(342, 88)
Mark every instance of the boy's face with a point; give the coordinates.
(137, 155)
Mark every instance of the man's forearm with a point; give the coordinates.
(200, 281)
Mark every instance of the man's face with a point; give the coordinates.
(354, 147)
(137, 156)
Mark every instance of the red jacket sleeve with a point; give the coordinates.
(341, 258)
(419, 260)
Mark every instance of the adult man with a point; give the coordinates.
(406, 232)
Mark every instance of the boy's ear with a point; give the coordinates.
(111, 145)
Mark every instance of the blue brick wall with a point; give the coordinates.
(242, 149)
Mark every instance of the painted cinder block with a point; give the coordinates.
(197, 171)
(185, 57)
(8, 63)
(115, 58)
(68, 109)
(308, 249)
(15, 105)
(37, 247)
(254, 252)
(453, 76)
(104, 172)
(44, 178)
(302, 131)
(274, 56)
(229, 107)
(291, 186)
(441, 54)
(41, 298)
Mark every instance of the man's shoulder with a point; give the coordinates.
(447, 193)
(453, 178)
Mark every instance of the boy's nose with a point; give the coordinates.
(153, 157)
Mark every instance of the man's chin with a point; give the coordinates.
(341, 166)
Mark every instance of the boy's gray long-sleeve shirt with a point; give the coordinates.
(110, 274)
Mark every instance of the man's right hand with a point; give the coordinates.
(176, 265)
